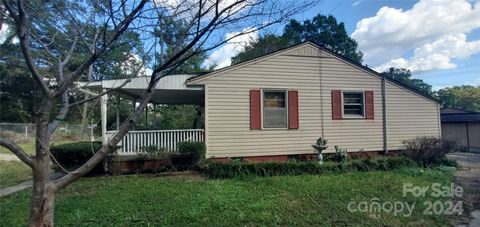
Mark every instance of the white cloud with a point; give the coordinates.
(134, 65)
(222, 56)
(3, 33)
(436, 55)
(356, 3)
(393, 32)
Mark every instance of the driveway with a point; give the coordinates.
(468, 176)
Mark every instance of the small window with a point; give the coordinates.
(353, 104)
(274, 109)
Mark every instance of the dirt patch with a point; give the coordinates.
(468, 176)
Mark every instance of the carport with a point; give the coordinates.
(171, 89)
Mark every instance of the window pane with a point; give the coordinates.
(274, 99)
(274, 109)
(353, 104)
(352, 98)
(274, 118)
(352, 110)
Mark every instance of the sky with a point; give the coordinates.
(438, 40)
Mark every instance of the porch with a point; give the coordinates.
(170, 90)
(168, 139)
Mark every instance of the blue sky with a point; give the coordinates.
(467, 70)
(438, 40)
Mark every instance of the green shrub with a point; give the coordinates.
(195, 151)
(427, 151)
(152, 152)
(341, 155)
(191, 147)
(72, 155)
(449, 163)
(242, 169)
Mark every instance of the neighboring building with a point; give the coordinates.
(280, 103)
(461, 126)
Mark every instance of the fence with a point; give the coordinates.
(25, 132)
(135, 140)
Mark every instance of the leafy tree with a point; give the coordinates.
(465, 97)
(49, 52)
(178, 117)
(17, 94)
(264, 45)
(404, 76)
(17, 88)
(324, 30)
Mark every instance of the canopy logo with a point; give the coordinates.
(375, 207)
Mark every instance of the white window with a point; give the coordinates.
(353, 104)
(274, 109)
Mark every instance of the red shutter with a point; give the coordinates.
(336, 104)
(369, 110)
(293, 109)
(255, 111)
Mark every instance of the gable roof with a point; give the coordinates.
(323, 48)
(459, 115)
(451, 110)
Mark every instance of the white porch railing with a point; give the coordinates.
(135, 140)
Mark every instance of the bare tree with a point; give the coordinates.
(52, 33)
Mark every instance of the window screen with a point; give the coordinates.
(274, 109)
(353, 104)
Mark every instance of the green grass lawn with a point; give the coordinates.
(143, 200)
(27, 147)
(13, 172)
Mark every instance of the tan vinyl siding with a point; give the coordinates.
(409, 115)
(351, 134)
(229, 133)
(227, 106)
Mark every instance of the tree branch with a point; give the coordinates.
(221, 15)
(25, 46)
(122, 26)
(19, 152)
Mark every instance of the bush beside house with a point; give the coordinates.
(241, 169)
(424, 151)
(158, 159)
(70, 156)
(428, 151)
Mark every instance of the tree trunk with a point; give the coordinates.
(42, 208)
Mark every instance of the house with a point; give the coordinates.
(277, 105)
(461, 126)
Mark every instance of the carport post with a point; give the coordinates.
(103, 113)
(117, 113)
